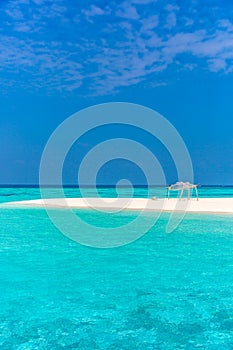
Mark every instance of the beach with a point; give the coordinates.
(203, 205)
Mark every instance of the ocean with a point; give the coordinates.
(162, 291)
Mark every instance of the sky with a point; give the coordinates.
(58, 57)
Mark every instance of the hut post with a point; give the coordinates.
(168, 192)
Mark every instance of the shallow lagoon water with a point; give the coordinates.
(163, 291)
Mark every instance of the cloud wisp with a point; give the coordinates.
(101, 48)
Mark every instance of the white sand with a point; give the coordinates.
(203, 205)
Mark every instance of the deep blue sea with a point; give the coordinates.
(163, 291)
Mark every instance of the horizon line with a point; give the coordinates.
(21, 185)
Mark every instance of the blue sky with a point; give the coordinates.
(57, 57)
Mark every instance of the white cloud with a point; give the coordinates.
(54, 69)
(217, 64)
(127, 11)
(172, 7)
(22, 27)
(93, 11)
(171, 20)
(151, 23)
(188, 21)
(225, 23)
(15, 13)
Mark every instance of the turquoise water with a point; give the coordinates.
(15, 194)
(163, 291)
